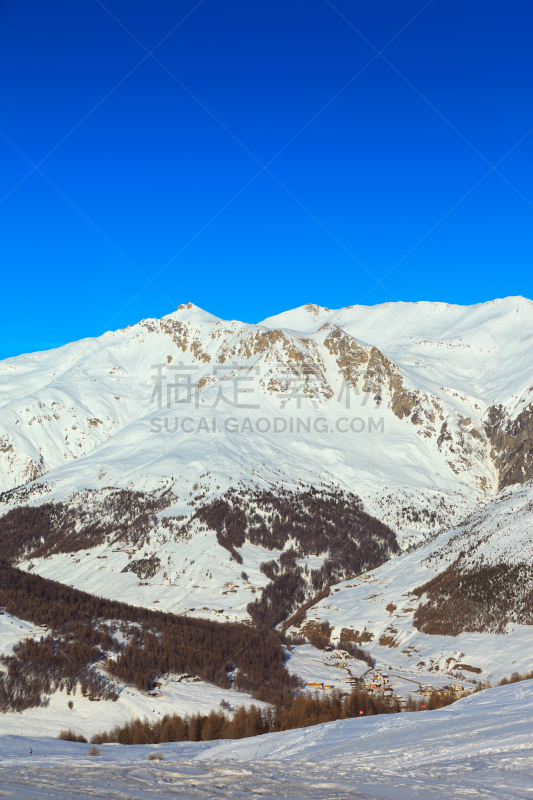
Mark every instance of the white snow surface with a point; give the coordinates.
(482, 746)
(85, 415)
(482, 347)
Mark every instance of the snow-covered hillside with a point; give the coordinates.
(122, 446)
(86, 717)
(375, 399)
(381, 611)
(481, 746)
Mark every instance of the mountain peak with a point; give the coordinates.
(191, 313)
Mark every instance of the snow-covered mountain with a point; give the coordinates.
(148, 453)
(396, 396)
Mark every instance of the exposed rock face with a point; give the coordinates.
(511, 442)
(405, 402)
(371, 371)
(351, 357)
(382, 379)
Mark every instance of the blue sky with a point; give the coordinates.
(384, 176)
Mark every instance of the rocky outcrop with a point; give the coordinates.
(350, 356)
(511, 442)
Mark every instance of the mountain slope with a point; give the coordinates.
(441, 395)
(459, 603)
(151, 464)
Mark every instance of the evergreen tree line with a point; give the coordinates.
(482, 599)
(85, 628)
(320, 521)
(302, 711)
(33, 673)
(87, 521)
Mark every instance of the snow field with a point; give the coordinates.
(200, 575)
(82, 414)
(482, 746)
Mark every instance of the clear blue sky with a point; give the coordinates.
(152, 191)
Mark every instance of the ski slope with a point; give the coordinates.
(482, 746)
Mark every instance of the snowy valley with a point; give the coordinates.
(363, 475)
